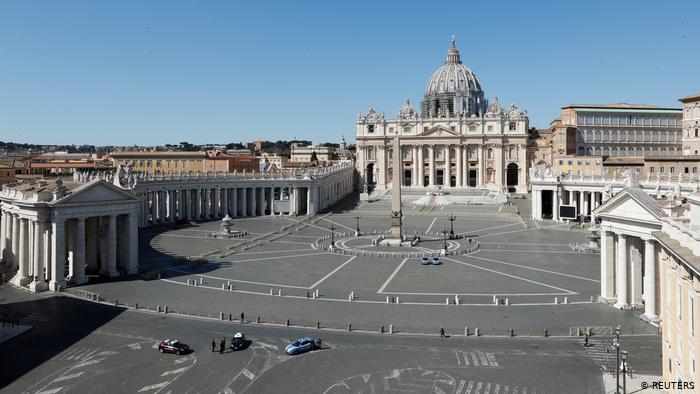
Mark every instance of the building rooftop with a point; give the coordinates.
(618, 106)
(160, 154)
(692, 97)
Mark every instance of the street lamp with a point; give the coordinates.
(452, 230)
(625, 355)
(618, 330)
(357, 226)
(332, 236)
(444, 238)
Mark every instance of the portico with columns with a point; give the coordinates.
(629, 254)
(55, 234)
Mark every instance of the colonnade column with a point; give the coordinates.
(555, 204)
(607, 277)
(40, 254)
(621, 289)
(3, 234)
(132, 264)
(414, 181)
(215, 201)
(198, 203)
(431, 166)
(111, 259)
(650, 280)
(447, 172)
(234, 202)
(15, 239)
(224, 202)
(271, 200)
(79, 253)
(244, 202)
(58, 262)
(253, 201)
(20, 277)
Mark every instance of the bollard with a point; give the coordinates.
(546, 333)
(228, 283)
(165, 309)
(188, 282)
(456, 299)
(507, 301)
(447, 300)
(352, 295)
(257, 320)
(116, 301)
(157, 308)
(566, 300)
(387, 299)
(349, 326)
(494, 298)
(476, 332)
(221, 315)
(381, 329)
(230, 317)
(286, 322)
(230, 287)
(391, 328)
(317, 294)
(313, 296)
(136, 305)
(556, 300)
(591, 298)
(578, 332)
(201, 280)
(308, 295)
(466, 331)
(510, 332)
(223, 286)
(279, 292)
(318, 324)
(270, 291)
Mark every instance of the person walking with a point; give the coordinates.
(585, 341)
(222, 345)
(213, 346)
(442, 332)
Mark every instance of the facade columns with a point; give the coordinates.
(224, 202)
(421, 166)
(607, 269)
(460, 160)
(110, 269)
(198, 203)
(38, 283)
(650, 280)
(244, 202)
(621, 289)
(132, 263)
(3, 234)
(58, 262)
(253, 201)
(23, 254)
(234, 202)
(447, 172)
(271, 200)
(79, 253)
(207, 203)
(414, 157)
(215, 201)
(555, 204)
(15, 239)
(431, 165)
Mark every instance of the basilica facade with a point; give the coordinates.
(457, 140)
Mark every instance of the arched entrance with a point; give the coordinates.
(512, 175)
(369, 176)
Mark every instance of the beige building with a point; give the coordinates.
(277, 160)
(691, 124)
(650, 259)
(457, 140)
(303, 154)
(7, 175)
(168, 162)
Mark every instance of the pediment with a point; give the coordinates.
(97, 191)
(439, 131)
(624, 205)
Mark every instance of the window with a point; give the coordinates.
(167, 164)
(489, 128)
(453, 128)
(561, 162)
(142, 163)
(672, 170)
(407, 129)
(191, 163)
(489, 153)
(175, 163)
(472, 152)
(511, 126)
(571, 162)
(661, 170)
(588, 162)
(579, 162)
(597, 162)
(148, 163)
(695, 170)
(651, 170)
(686, 170)
(159, 163)
(513, 153)
(472, 127)
(370, 153)
(638, 170)
(370, 128)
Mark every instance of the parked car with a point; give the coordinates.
(173, 346)
(301, 345)
(436, 261)
(238, 341)
(424, 261)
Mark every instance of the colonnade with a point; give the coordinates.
(53, 251)
(628, 265)
(546, 201)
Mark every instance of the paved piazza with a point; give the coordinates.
(277, 272)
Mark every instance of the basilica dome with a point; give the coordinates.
(453, 90)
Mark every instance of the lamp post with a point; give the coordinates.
(452, 230)
(444, 232)
(357, 226)
(332, 236)
(618, 330)
(625, 355)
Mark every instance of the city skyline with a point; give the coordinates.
(116, 74)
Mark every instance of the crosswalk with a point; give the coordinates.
(476, 359)
(77, 353)
(34, 319)
(478, 387)
(603, 354)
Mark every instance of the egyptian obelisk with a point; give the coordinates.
(396, 192)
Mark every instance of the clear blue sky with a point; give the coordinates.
(156, 72)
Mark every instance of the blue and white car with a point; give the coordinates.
(301, 345)
(424, 261)
(437, 261)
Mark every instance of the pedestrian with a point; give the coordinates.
(442, 332)
(585, 341)
(213, 345)
(222, 345)
(242, 317)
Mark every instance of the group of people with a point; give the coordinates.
(222, 343)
